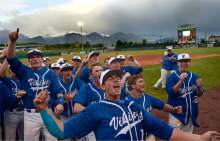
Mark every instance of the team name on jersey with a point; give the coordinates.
(187, 90)
(38, 84)
(127, 121)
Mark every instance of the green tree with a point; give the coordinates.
(144, 42)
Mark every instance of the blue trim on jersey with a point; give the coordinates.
(89, 94)
(74, 84)
(186, 97)
(111, 120)
(147, 102)
(13, 85)
(74, 70)
(35, 80)
(6, 96)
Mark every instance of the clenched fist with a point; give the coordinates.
(178, 109)
(41, 100)
(199, 82)
(70, 96)
(59, 109)
(183, 76)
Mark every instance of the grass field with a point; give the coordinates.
(208, 68)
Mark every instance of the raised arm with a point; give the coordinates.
(179, 83)
(134, 61)
(13, 36)
(84, 62)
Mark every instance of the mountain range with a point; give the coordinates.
(92, 38)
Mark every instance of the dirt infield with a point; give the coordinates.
(209, 112)
(155, 59)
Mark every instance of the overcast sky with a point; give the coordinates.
(143, 17)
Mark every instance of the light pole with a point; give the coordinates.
(81, 24)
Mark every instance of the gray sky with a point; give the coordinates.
(143, 17)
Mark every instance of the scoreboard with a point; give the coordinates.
(186, 34)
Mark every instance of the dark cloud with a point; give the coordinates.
(154, 17)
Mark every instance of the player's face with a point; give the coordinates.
(36, 61)
(66, 74)
(139, 85)
(115, 66)
(169, 51)
(47, 63)
(122, 63)
(183, 66)
(96, 72)
(94, 59)
(112, 87)
(75, 63)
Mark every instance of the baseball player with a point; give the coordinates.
(61, 61)
(14, 114)
(55, 67)
(35, 79)
(114, 63)
(169, 63)
(112, 119)
(183, 88)
(71, 85)
(136, 84)
(76, 61)
(117, 63)
(46, 61)
(106, 64)
(93, 57)
(134, 69)
(6, 98)
(147, 102)
(91, 92)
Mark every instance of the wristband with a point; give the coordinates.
(60, 100)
